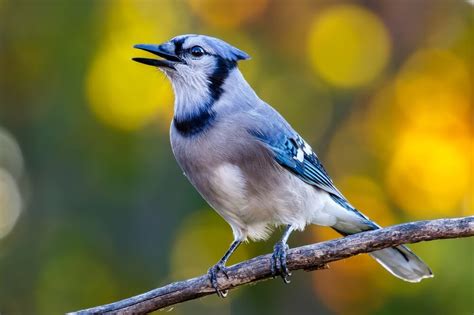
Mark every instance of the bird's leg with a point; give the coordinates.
(278, 263)
(220, 266)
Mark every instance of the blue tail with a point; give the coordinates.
(399, 261)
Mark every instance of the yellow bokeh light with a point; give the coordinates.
(122, 93)
(348, 46)
(433, 91)
(227, 14)
(429, 175)
(380, 123)
(420, 126)
(10, 203)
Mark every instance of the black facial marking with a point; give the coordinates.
(217, 78)
(203, 119)
(178, 46)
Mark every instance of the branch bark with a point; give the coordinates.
(309, 257)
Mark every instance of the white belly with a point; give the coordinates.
(253, 214)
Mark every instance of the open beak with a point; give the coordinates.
(164, 51)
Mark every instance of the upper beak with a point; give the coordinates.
(165, 51)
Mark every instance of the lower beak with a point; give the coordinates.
(165, 51)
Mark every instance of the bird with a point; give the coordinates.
(246, 160)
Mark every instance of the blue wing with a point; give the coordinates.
(293, 153)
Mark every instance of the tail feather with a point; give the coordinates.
(399, 261)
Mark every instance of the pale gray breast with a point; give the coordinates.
(227, 142)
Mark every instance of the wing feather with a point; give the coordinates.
(293, 153)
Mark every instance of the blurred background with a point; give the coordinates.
(93, 207)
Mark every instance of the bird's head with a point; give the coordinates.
(195, 64)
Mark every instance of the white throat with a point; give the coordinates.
(193, 95)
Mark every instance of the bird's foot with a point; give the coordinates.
(278, 264)
(212, 273)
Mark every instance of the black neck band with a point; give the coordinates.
(195, 124)
(204, 118)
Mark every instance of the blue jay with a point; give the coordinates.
(246, 160)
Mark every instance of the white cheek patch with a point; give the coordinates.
(205, 66)
(190, 86)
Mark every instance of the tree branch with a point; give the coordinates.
(309, 257)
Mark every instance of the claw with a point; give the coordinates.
(212, 273)
(278, 262)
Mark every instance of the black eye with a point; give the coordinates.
(197, 51)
